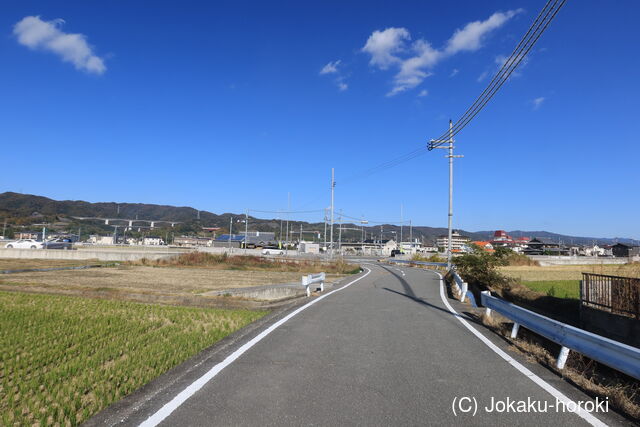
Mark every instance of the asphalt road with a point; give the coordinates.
(385, 350)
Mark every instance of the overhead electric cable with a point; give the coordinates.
(536, 29)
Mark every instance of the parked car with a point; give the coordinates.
(25, 244)
(272, 251)
(58, 244)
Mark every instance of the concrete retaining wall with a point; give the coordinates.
(102, 255)
(619, 328)
(546, 260)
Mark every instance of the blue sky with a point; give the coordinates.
(224, 106)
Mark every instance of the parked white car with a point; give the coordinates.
(272, 251)
(25, 244)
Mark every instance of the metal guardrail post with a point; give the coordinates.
(514, 330)
(487, 311)
(562, 358)
(465, 288)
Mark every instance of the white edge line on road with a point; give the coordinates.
(185, 394)
(510, 360)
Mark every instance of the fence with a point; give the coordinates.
(615, 294)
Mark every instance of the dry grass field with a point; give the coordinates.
(141, 279)
(181, 281)
(18, 264)
(568, 272)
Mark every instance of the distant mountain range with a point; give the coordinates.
(26, 209)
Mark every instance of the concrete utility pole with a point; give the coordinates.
(230, 232)
(288, 213)
(411, 232)
(246, 230)
(340, 233)
(333, 185)
(401, 225)
(325, 228)
(449, 147)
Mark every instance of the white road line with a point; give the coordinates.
(510, 360)
(185, 394)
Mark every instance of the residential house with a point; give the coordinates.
(625, 250)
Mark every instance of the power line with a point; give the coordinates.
(286, 212)
(539, 25)
(386, 165)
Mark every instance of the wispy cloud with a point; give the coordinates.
(454, 72)
(423, 93)
(36, 34)
(537, 102)
(332, 68)
(389, 48)
(470, 37)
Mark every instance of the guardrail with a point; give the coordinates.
(311, 279)
(461, 286)
(619, 356)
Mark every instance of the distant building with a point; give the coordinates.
(309, 248)
(101, 240)
(624, 250)
(254, 239)
(544, 246)
(487, 246)
(192, 241)
(501, 238)
(152, 241)
(35, 235)
(458, 241)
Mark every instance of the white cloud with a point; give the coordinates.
(470, 37)
(330, 68)
(537, 103)
(35, 33)
(454, 72)
(423, 93)
(389, 47)
(482, 76)
(382, 45)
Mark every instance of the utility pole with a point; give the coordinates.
(246, 230)
(325, 228)
(401, 224)
(4, 228)
(448, 146)
(411, 232)
(340, 233)
(333, 185)
(300, 233)
(230, 232)
(288, 213)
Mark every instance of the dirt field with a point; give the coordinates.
(172, 285)
(569, 272)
